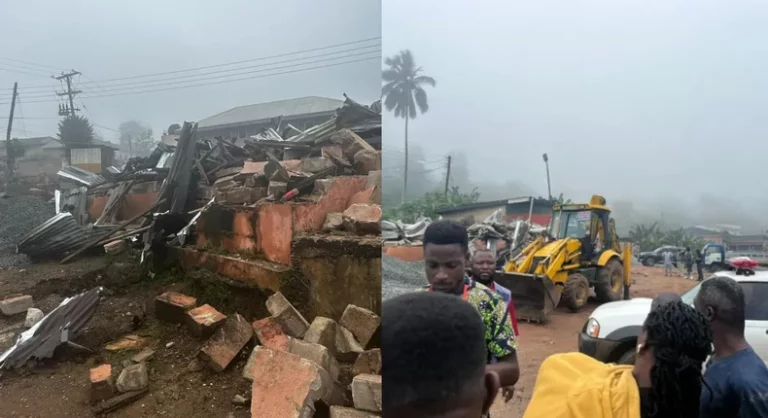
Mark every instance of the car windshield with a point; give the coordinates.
(570, 224)
(690, 295)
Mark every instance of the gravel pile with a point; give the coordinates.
(400, 277)
(19, 215)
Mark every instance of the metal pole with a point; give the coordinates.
(549, 187)
(8, 147)
(447, 175)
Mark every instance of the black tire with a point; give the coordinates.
(610, 282)
(648, 262)
(628, 358)
(576, 292)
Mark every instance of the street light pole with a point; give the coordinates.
(549, 187)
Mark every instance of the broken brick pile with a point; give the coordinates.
(294, 367)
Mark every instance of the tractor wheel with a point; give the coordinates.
(576, 292)
(610, 282)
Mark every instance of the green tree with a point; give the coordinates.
(647, 237)
(75, 129)
(403, 94)
(136, 138)
(427, 206)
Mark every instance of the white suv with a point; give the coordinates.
(611, 332)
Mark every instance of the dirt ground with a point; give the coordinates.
(559, 335)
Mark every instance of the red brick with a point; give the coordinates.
(368, 362)
(361, 322)
(363, 218)
(204, 320)
(226, 343)
(366, 392)
(344, 412)
(102, 386)
(173, 307)
(292, 322)
(364, 197)
(286, 385)
(269, 334)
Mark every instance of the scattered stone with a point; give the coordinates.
(239, 196)
(277, 189)
(368, 362)
(292, 322)
(127, 363)
(16, 305)
(241, 400)
(344, 412)
(226, 343)
(366, 161)
(170, 344)
(143, 355)
(322, 331)
(114, 247)
(129, 342)
(133, 378)
(172, 307)
(362, 322)
(118, 401)
(347, 347)
(101, 383)
(204, 320)
(321, 188)
(317, 353)
(7, 339)
(363, 218)
(34, 316)
(258, 193)
(366, 392)
(195, 365)
(286, 385)
(269, 334)
(315, 164)
(333, 221)
(350, 143)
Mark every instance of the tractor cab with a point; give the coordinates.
(587, 223)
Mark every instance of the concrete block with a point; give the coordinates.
(286, 385)
(366, 392)
(363, 219)
(34, 316)
(292, 322)
(238, 196)
(315, 164)
(277, 189)
(204, 320)
(16, 305)
(258, 193)
(172, 307)
(133, 378)
(362, 322)
(270, 334)
(316, 353)
(333, 221)
(322, 187)
(143, 355)
(350, 143)
(368, 362)
(226, 343)
(344, 412)
(102, 386)
(322, 331)
(347, 347)
(365, 161)
(221, 196)
(114, 247)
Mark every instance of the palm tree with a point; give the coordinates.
(403, 93)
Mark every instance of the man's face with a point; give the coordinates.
(445, 267)
(483, 266)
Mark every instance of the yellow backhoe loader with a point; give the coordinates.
(580, 251)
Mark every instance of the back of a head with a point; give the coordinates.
(665, 298)
(446, 232)
(681, 340)
(433, 354)
(726, 297)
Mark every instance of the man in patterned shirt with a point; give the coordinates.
(446, 249)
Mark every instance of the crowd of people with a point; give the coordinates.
(689, 259)
(449, 350)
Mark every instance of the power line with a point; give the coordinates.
(229, 63)
(30, 63)
(21, 72)
(223, 81)
(172, 81)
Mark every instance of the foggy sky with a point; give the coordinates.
(630, 99)
(109, 39)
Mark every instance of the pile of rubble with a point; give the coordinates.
(506, 239)
(294, 365)
(281, 164)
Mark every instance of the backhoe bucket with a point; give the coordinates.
(534, 296)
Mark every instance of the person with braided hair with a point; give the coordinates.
(666, 380)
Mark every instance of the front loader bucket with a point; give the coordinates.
(534, 296)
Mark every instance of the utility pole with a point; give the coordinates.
(8, 147)
(447, 175)
(71, 109)
(549, 187)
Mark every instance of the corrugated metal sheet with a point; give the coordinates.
(59, 326)
(55, 237)
(81, 176)
(85, 156)
(266, 111)
(350, 114)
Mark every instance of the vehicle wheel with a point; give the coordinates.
(576, 292)
(628, 357)
(610, 282)
(648, 262)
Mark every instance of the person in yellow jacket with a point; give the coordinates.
(666, 380)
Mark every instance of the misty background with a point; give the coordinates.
(658, 106)
(112, 42)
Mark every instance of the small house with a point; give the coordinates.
(95, 156)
